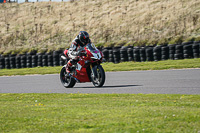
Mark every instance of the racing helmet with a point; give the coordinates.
(84, 37)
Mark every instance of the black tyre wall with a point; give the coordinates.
(18, 61)
(61, 62)
(56, 58)
(130, 54)
(7, 62)
(171, 51)
(50, 59)
(143, 54)
(149, 54)
(116, 55)
(28, 60)
(111, 58)
(39, 59)
(157, 53)
(106, 54)
(187, 51)
(12, 61)
(136, 54)
(178, 52)
(196, 48)
(34, 60)
(44, 60)
(23, 61)
(123, 54)
(2, 62)
(165, 52)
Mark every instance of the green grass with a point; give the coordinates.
(160, 65)
(99, 113)
(28, 71)
(124, 66)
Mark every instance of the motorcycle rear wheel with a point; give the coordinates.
(67, 81)
(100, 79)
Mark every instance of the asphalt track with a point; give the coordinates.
(185, 81)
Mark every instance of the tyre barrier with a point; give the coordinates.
(2, 62)
(28, 60)
(136, 54)
(199, 50)
(12, 61)
(171, 51)
(18, 61)
(196, 49)
(149, 54)
(110, 56)
(123, 54)
(49, 59)
(44, 61)
(187, 51)
(23, 61)
(178, 52)
(61, 61)
(157, 53)
(39, 59)
(142, 54)
(33, 60)
(7, 62)
(106, 54)
(117, 54)
(55, 58)
(130, 54)
(165, 52)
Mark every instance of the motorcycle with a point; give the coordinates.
(87, 68)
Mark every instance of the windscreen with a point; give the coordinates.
(91, 47)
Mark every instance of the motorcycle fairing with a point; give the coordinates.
(82, 74)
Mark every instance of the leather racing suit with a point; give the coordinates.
(74, 51)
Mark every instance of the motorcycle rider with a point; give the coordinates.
(76, 48)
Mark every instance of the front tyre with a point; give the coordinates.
(98, 77)
(67, 81)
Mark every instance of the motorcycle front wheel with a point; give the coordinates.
(66, 80)
(98, 77)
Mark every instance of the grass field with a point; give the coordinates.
(124, 66)
(134, 113)
(99, 113)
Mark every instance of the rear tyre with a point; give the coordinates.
(67, 81)
(99, 79)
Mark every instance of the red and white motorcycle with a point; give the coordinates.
(87, 68)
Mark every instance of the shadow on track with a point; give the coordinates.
(119, 86)
(111, 86)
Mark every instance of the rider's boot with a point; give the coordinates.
(68, 67)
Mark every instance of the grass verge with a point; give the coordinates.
(160, 65)
(99, 113)
(124, 66)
